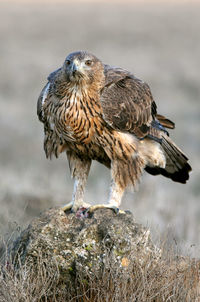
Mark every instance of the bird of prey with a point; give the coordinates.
(93, 111)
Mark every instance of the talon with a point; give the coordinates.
(120, 211)
(127, 212)
(116, 210)
(67, 207)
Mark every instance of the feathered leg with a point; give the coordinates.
(124, 173)
(79, 171)
(117, 189)
(114, 200)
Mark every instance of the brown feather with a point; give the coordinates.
(165, 121)
(126, 102)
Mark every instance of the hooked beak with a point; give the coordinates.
(74, 68)
(76, 71)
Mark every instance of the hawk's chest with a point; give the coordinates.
(78, 119)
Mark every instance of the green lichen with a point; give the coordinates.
(89, 264)
(89, 247)
(70, 269)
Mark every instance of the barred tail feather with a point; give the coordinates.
(177, 167)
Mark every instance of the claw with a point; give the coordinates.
(68, 206)
(79, 208)
(116, 210)
(85, 210)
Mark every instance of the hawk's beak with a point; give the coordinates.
(74, 68)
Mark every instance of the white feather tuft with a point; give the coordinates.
(45, 93)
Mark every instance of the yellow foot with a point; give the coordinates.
(67, 206)
(74, 206)
(91, 209)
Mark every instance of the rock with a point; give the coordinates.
(81, 246)
(101, 257)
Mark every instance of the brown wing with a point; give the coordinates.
(127, 102)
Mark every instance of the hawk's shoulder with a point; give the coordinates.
(53, 75)
(114, 74)
(47, 92)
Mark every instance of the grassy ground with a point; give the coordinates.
(168, 279)
(159, 43)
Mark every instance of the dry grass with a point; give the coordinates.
(170, 279)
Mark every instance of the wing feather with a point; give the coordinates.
(46, 93)
(41, 100)
(127, 102)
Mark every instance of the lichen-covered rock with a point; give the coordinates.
(103, 257)
(82, 245)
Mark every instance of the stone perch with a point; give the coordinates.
(92, 258)
(81, 244)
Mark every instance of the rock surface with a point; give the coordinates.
(81, 245)
(97, 258)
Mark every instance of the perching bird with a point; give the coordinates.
(93, 111)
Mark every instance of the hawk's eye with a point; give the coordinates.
(88, 62)
(68, 62)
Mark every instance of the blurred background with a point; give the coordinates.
(159, 42)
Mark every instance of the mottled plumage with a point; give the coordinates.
(97, 112)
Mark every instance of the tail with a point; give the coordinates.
(177, 167)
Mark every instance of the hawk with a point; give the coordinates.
(93, 111)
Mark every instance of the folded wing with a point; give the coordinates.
(127, 102)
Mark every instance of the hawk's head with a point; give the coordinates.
(83, 67)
